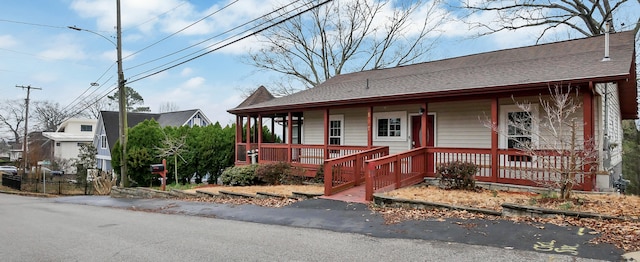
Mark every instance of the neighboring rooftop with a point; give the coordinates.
(111, 120)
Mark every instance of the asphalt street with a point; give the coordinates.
(356, 218)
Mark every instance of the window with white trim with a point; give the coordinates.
(103, 142)
(519, 128)
(86, 128)
(336, 129)
(390, 126)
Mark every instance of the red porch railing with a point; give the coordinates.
(513, 166)
(395, 171)
(348, 171)
(520, 169)
(478, 156)
(305, 156)
(383, 172)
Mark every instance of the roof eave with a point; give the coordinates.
(414, 96)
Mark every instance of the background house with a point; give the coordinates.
(431, 113)
(107, 130)
(68, 138)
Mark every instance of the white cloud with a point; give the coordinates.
(7, 41)
(194, 82)
(62, 47)
(187, 71)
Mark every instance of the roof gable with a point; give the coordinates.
(260, 95)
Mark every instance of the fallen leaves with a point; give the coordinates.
(265, 202)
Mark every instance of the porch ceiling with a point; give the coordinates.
(511, 70)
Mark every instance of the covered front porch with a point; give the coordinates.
(382, 166)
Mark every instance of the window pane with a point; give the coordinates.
(394, 127)
(519, 123)
(519, 141)
(334, 141)
(519, 129)
(383, 127)
(86, 128)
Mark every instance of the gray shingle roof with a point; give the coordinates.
(567, 61)
(177, 118)
(260, 95)
(111, 121)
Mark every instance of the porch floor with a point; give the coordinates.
(353, 195)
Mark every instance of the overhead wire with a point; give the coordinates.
(33, 24)
(156, 17)
(215, 36)
(172, 9)
(97, 98)
(70, 106)
(100, 86)
(225, 45)
(181, 30)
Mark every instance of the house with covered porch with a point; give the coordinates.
(389, 128)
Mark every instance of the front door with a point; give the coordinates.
(416, 129)
(416, 142)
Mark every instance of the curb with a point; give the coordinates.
(384, 201)
(235, 194)
(508, 209)
(20, 193)
(302, 195)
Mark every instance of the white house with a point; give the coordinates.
(68, 138)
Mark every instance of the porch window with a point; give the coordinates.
(390, 126)
(519, 129)
(336, 129)
(103, 142)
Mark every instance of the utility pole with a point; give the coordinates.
(25, 141)
(124, 179)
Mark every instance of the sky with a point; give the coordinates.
(38, 49)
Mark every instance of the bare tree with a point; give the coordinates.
(4, 146)
(168, 107)
(346, 36)
(585, 17)
(555, 154)
(172, 146)
(12, 117)
(93, 106)
(49, 115)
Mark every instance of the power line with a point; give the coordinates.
(184, 28)
(27, 23)
(82, 107)
(95, 101)
(225, 45)
(203, 41)
(90, 86)
(89, 104)
(156, 17)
